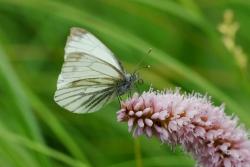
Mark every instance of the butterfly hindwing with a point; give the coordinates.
(84, 99)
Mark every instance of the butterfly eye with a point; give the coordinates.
(140, 81)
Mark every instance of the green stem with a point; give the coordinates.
(138, 157)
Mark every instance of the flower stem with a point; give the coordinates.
(137, 149)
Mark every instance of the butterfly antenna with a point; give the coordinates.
(141, 61)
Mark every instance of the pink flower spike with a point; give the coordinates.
(146, 111)
(155, 115)
(131, 113)
(131, 121)
(192, 121)
(148, 122)
(158, 129)
(148, 132)
(140, 123)
(138, 105)
(138, 114)
(163, 115)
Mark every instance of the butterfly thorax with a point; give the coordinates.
(126, 84)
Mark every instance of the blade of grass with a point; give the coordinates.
(176, 10)
(42, 110)
(240, 2)
(16, 156)
(47, 116)
(191, 6)
(11, 137)
(28, 119)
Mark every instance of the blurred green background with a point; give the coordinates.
(188, 51)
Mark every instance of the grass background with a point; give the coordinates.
(187, 51)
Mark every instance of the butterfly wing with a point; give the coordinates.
(81, 40)
(89, 74)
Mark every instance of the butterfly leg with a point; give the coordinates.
(137, 88)
(129, 93)
(119, 98)
(132, 89)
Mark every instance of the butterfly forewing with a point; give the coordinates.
(82, 41)
(89, 74)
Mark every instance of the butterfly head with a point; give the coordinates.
(132, 78)
(127, 84)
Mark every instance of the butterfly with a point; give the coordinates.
(91, 76)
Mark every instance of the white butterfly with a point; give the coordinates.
(91, 76)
